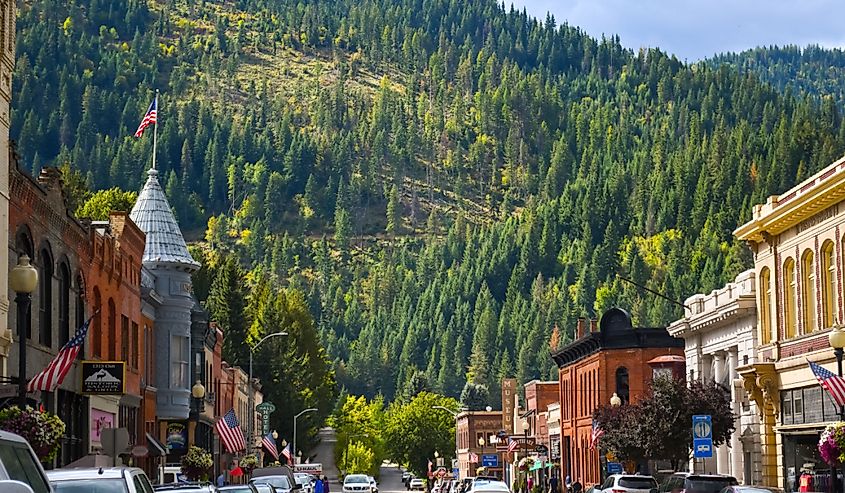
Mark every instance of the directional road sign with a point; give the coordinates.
(490, 460)
(702, 436)
(614, 468)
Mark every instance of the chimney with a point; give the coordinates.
(580, 330)
(594, 325)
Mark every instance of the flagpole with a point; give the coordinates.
(155, 131)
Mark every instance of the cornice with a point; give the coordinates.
(717, 318)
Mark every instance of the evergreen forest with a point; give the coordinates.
(444, 185)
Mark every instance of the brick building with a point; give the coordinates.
(599, 363)
(538, 397)
(474, 428)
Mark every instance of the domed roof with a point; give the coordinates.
(165, 243)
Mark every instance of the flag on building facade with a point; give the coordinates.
(512, 445)
(834, 384)
(230, 432)
(52, 376)
(269, 444)
(598, 432)
(473, 457)
(149, 118)
(288, 454)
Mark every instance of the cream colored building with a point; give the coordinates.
(720, 334)
(797, 241)
(7, 65)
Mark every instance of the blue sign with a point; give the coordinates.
(614, 468)
(702, 436)
(456, 472)
(490, 460)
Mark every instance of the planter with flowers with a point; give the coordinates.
(41, 429)
(196, 464)
(248, 463)
(832, 444)
(525, 463)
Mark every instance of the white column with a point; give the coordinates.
(719, 373)
(737, 469)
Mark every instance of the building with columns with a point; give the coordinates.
(7, 65)
(797, 242)
(720, 335)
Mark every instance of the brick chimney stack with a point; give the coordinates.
(581, 323)
(594, 325)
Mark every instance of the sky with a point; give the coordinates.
(693, 30)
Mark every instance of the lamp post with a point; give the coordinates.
(836, 337)
(198, 394)
(23, 279)
(251, 424)
(615, 400)
(309, 410)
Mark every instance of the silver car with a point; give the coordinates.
(628, 483)
(100, 480)
(20, 471)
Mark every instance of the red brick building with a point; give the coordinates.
(599, 363)
(538, 396)
(474, 428)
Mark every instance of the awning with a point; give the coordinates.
(156, 448)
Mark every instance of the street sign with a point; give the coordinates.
(265, 409)
(702, 436)
(490, 460)
(614, 468)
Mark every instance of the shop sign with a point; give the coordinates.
(100, 420)
(554, 447)
(265, 409)
(177, 436)
(103, 377)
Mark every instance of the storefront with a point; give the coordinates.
(72, 409)
(804, 414)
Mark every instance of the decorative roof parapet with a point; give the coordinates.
(717, 307)
(165, 243)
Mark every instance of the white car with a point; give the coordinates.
(356, 483)
(20, 471)
(488, 486)
(628, 483)
(416, 484)
(304, 480)
(128, 479)
(373, 484)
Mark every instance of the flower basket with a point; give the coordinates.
(248, 463)
(196, 464)
(832, 444)
(525, 463)
(42, 430)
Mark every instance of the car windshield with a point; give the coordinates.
(20, 465)
(274, 481)
(301, 479)
(707, 485)
(98, 485)
(356, 479)
(238, 489)
(640, 483)
(264, 488)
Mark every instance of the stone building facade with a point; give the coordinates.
(797, 239)
(7, 65)
(720, 334)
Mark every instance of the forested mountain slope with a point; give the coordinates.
(445, 180)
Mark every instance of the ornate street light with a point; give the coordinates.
(615, 400)
(23, 280)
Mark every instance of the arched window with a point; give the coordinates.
(64, 304)
(790, 296)
(766, 306)
(622, 389)
(45, 299)
(98, 323)
(808, 292)
(112, 339)
(828, 285)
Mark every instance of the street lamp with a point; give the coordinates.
(615, 400)
(450, 411)
(481, 442)
(198, 394)
(836, 337)
(249, 430)
(23, 279)
(309, 410)
(525, 427)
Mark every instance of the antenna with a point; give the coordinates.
(660, 295)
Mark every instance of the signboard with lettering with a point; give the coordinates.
(177, 436)
(490, 460)
(265, 409)
(103, 377)
(508, 403)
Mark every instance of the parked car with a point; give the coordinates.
(627, 483)
(264, 488)
(684, 482)
(20, 470)
(356, 483)
(488, 486)
(304, 480)
(744, 489)
(415, 484)
(373, 484)
(100, 480)
(239, 488)
(281, 484)
(186, 488)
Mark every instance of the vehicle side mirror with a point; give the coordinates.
(296, 486)
(9, 486)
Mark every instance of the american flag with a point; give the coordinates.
(149, 118)
(288, 454)
(270, 444)
(473, 457)
(598, 432)
(230, 432)
(512, 445)
(52, 376)
(834, 384)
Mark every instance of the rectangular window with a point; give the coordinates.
(178, 362)
(787, 407)
(798, 406)
(135, 351)
(124, 338)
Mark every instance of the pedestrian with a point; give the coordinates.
(318, 486)
(567, 483)
(530, 483)
(221, 479)
(577, 486)
(553, 485)
(325, 484)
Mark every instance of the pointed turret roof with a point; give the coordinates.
(165, 243)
